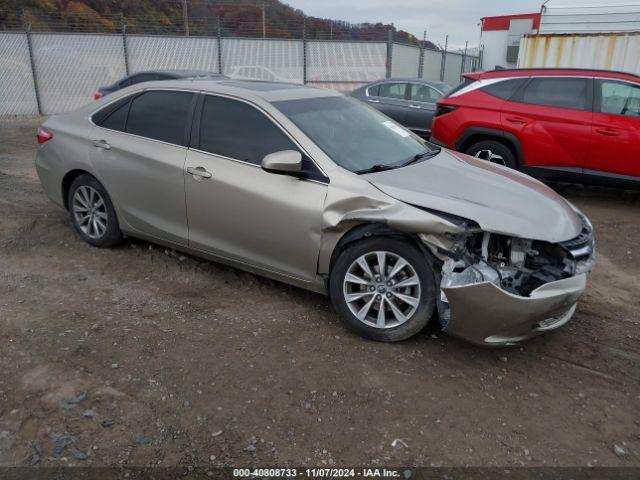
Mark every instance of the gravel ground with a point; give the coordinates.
(142, 356)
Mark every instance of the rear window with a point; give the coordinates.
(505, 88)
(465, 83)
(160, 115)
(568, 93)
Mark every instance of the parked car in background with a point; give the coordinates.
(409, 101)
(567, 125)
(153, 75)
(315, 189)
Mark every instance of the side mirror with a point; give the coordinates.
(284, 161)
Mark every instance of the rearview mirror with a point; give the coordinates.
(284, 161)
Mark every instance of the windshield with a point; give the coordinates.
(354, 135)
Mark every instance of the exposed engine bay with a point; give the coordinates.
(516, 265)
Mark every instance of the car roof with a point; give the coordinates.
(433, 83)
(180, 73)
(269, 91)
(567, 72)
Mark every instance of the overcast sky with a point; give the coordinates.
(458, 18)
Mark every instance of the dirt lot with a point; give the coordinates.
(141, 356)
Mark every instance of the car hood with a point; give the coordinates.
(499, 199)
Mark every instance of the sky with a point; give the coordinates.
(457, 18)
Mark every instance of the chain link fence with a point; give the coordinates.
(49, 67)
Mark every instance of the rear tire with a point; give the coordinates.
(407, 293)
(92, 212)
(502, 155)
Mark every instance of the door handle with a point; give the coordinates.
(608, 132)
(417, 107)
(371, 100)
(518, 120)
(200, 172)
(101, 144)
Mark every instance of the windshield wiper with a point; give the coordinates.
(378, 167)
(420, 156)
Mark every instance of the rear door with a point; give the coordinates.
(138, 152)
(422, 107)
(391, 99)
(615, 146)
(551, 116)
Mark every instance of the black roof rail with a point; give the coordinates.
(502, 70)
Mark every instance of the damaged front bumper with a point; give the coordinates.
(484, 314)
(497, 290)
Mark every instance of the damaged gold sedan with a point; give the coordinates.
(315, 189)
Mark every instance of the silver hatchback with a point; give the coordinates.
(318, 190)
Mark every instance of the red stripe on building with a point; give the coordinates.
(502, 22)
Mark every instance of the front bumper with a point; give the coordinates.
(484, 314)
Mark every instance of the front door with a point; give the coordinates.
(238, 210)
(392, 100)
(615, 146)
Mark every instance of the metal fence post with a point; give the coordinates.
(421, 58)
(32, 60)
(219, 47)
(464, 58)
(125, 48)
(389, 52)
(304, 50)
(443, 63)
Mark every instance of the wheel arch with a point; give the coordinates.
(67, 180)
(368, 230)
(474, 135)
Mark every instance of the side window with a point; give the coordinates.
(114, 115)
(506, 88)
(373, 91)
(117, 120)
(160, 115)
(234, 129)
(557, 92)
(424, 93)
(619, 98)
(392, 90)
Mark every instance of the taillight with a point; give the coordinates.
(442, 109)
(43, 135)
(97, 96)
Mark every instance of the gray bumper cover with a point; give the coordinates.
(484, 314)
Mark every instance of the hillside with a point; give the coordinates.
(237, 18)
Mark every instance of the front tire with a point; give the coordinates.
(92, 212)
(494, 152)
(384, 289)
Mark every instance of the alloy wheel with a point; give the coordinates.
(490, 156)
(90, 212)
(382, 289)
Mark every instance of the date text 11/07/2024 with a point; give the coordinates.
(321, 473)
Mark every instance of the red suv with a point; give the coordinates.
(568, 125)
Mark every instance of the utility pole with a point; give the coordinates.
(185, 17)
